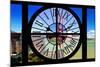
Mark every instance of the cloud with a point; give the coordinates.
(91, 34)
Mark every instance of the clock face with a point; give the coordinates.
(55, 33)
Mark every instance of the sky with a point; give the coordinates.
(91, 23)
(78, 11)
(32, 9)
(16, 17)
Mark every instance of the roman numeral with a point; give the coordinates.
(58, 13)
(53, 13)
(46, 15)
(60, 18)
(70, 46)
(52, 52)
(64, 52)
(70, 26)
(55, 54)
(39, 23)
(68, 20)
(40, 47)
(46, 52)
(67, 49)
(62, 13)
(60, 53)
(38, 39)
(38, 44)
(43, 20)
(38, 29)
(44, 47)
(66, 15)
(73, 42)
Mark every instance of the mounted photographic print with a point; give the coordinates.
(51, 33)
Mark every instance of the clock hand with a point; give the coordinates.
(69, 27)
(48, 29)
